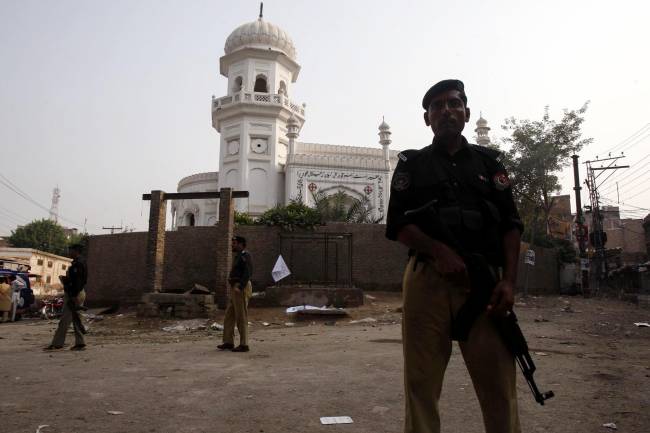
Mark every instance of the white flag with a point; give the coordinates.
(280, 270)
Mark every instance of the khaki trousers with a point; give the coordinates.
(237, 314)
(430, 304)
(66, 319)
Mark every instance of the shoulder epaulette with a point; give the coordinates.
(494, 154)
(406, 155)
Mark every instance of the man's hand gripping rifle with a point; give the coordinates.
(483, 279)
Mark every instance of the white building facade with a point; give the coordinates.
(259, 124)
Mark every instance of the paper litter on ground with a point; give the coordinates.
(336, 420)
(642, 324)
(310, 309)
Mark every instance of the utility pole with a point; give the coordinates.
(581, 231)
(112, 228)
(598, 237)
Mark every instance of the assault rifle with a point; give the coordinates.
(483, 280)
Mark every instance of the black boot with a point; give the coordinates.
(226, 346)
(241, 348)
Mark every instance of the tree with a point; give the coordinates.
(294, 215)
(341, 207)
(45, 235)
(243, 219)
(539, 149)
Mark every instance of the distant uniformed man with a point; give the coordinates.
(74, 283)
(471, 193)
(241, 291)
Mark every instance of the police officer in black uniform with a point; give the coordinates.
(469, 190)
(74, 283)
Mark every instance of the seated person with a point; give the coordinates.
(5, 299)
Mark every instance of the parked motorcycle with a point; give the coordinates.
(52, 308)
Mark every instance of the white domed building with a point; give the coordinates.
(259, 124)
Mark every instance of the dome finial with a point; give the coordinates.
(261, 10)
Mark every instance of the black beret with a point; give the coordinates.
(239, 239)
(443, 86)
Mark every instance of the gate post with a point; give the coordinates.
(156, 242)
(225, 232)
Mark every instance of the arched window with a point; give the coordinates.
(260, 84)
(283, 89)
(237, 85)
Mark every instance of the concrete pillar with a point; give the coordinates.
(225, 232)
(156, 242)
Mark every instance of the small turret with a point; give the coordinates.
(384, 140)
(482, 130)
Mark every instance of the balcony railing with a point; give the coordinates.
(257, 98)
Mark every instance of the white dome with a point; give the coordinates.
(481, 122)
(260, 34)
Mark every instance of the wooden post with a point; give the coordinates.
(225, 232)
(156, 241)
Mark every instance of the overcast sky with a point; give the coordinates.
(109, 100)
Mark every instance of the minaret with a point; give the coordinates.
(482, 130)
(384, 140)
(260, 64)
(292, 133)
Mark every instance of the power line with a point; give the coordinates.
(639, 193)
(13, 187)
(632, 172)
(640, 131)
(7, 210)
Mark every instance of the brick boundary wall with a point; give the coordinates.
(116, 263)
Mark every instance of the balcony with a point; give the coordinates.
(255, 98)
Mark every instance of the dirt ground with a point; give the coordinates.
(589, 352)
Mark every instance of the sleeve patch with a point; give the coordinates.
(501, 181)
(401, 180)
(402, 157)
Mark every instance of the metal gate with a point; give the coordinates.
(317, 259)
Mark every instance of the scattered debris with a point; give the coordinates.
(266, 324)
(216, 327)
(186, 325)
(568, 309)
(248, 397)
(317, 311)
(366, 320)
(336, 420)
(540, 319)
(642, 324)
(93, 317)
(330, 323)
(41, 427)
(175, 328)
(114, 412)
(372, 298)
(289, 324)
(610, 425)
(309, 334)
(259, 295)
(541, 353)
(520, 304)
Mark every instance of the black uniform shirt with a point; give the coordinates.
(242, 269)
(473, 194)
(76, 277)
